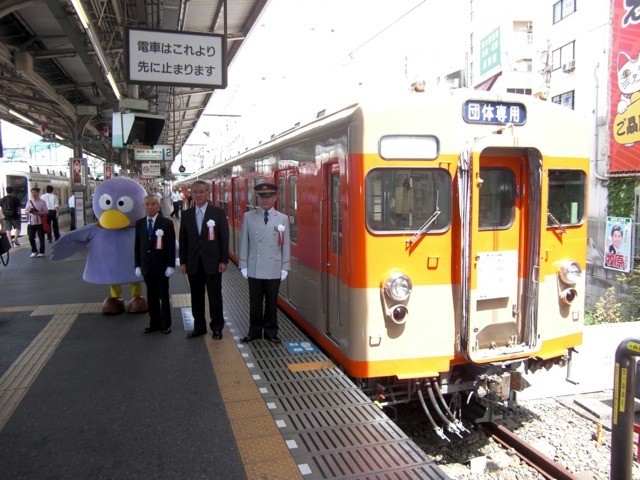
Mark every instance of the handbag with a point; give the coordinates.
(45, 225)
(5, 246)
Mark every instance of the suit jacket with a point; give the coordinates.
(150, 259)
(194, 246)
(261, 252)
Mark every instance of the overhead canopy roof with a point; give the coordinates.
(51, 74)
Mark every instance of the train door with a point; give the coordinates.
(500, 239)
(281, 206)
(331, 246)
(235, 225)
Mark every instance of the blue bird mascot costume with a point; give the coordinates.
(117, 204)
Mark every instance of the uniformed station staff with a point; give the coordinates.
(265, 260)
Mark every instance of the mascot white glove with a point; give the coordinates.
(138, 272)
(283, 275)
(169, 271)
(243, 271)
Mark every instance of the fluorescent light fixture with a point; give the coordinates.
(81, 13)
(96, 46)
(21, 117)
(114, 86)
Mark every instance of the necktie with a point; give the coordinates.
(149, 228)
(199, 219)
(266, 217)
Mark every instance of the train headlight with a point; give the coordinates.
(570, 272)
(398, 287)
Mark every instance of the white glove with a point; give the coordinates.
(138, 272)
(243, 271)
(283, 275)
(169, 271)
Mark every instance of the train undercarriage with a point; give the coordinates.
(471, 391)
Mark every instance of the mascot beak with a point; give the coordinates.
(114, 220)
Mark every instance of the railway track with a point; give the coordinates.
(532, 456)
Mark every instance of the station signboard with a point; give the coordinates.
(157, 153)
(150, 170)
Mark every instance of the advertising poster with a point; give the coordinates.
(625, 91)
(618, 244)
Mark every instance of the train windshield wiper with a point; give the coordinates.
(556, 223)
(424, 227)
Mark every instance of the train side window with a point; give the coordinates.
(497, 198)
(567, 197)
(409, 147)
(293, 208)
(402, 199)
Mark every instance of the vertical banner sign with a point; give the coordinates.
(618, 243)
(490, 51)
(78, 170)
(625, 92)
(108, 170)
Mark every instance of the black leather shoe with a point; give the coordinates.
(195, 334)
(274, 339)
(166, 330)
(150, 330)
(248, 338)
(217, 335)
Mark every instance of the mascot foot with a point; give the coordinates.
(138, 305)
(112, 306)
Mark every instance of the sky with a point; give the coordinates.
(306, 56)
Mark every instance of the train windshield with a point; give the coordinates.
(20, 188)
(404, 199)
(567, 196)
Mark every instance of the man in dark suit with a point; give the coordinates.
(204, 254)
(155, 258)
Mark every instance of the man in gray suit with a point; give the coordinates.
(265, 260)
(204, 254)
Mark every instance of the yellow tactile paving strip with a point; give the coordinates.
(262, 448)
(16, 381)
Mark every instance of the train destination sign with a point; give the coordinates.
(157, 153)
(494, 113)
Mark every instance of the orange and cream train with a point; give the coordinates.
(437, 241)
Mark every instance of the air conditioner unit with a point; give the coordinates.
(568, 67)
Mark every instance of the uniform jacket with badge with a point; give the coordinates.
(265, 250)
(151, 259)
(195, 246)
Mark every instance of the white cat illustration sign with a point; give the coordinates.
(625, 89)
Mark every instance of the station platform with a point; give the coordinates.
(84, 395)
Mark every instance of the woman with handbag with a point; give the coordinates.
(37, 210)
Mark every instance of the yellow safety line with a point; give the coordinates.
(17, 380)
(262, 448)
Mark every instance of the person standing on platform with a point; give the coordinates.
(265, 260)
(53, 207)
(11, 209)
(176, 198)
(37, 210)
(72, 211)
(155, 259)
(204, 254)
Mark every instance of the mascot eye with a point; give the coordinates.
(105, 202)
(125, 204)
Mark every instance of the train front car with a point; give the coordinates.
(466, 245)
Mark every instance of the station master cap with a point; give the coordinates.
(266, 190)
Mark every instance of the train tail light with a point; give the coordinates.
(396, 292)
(569, 273)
